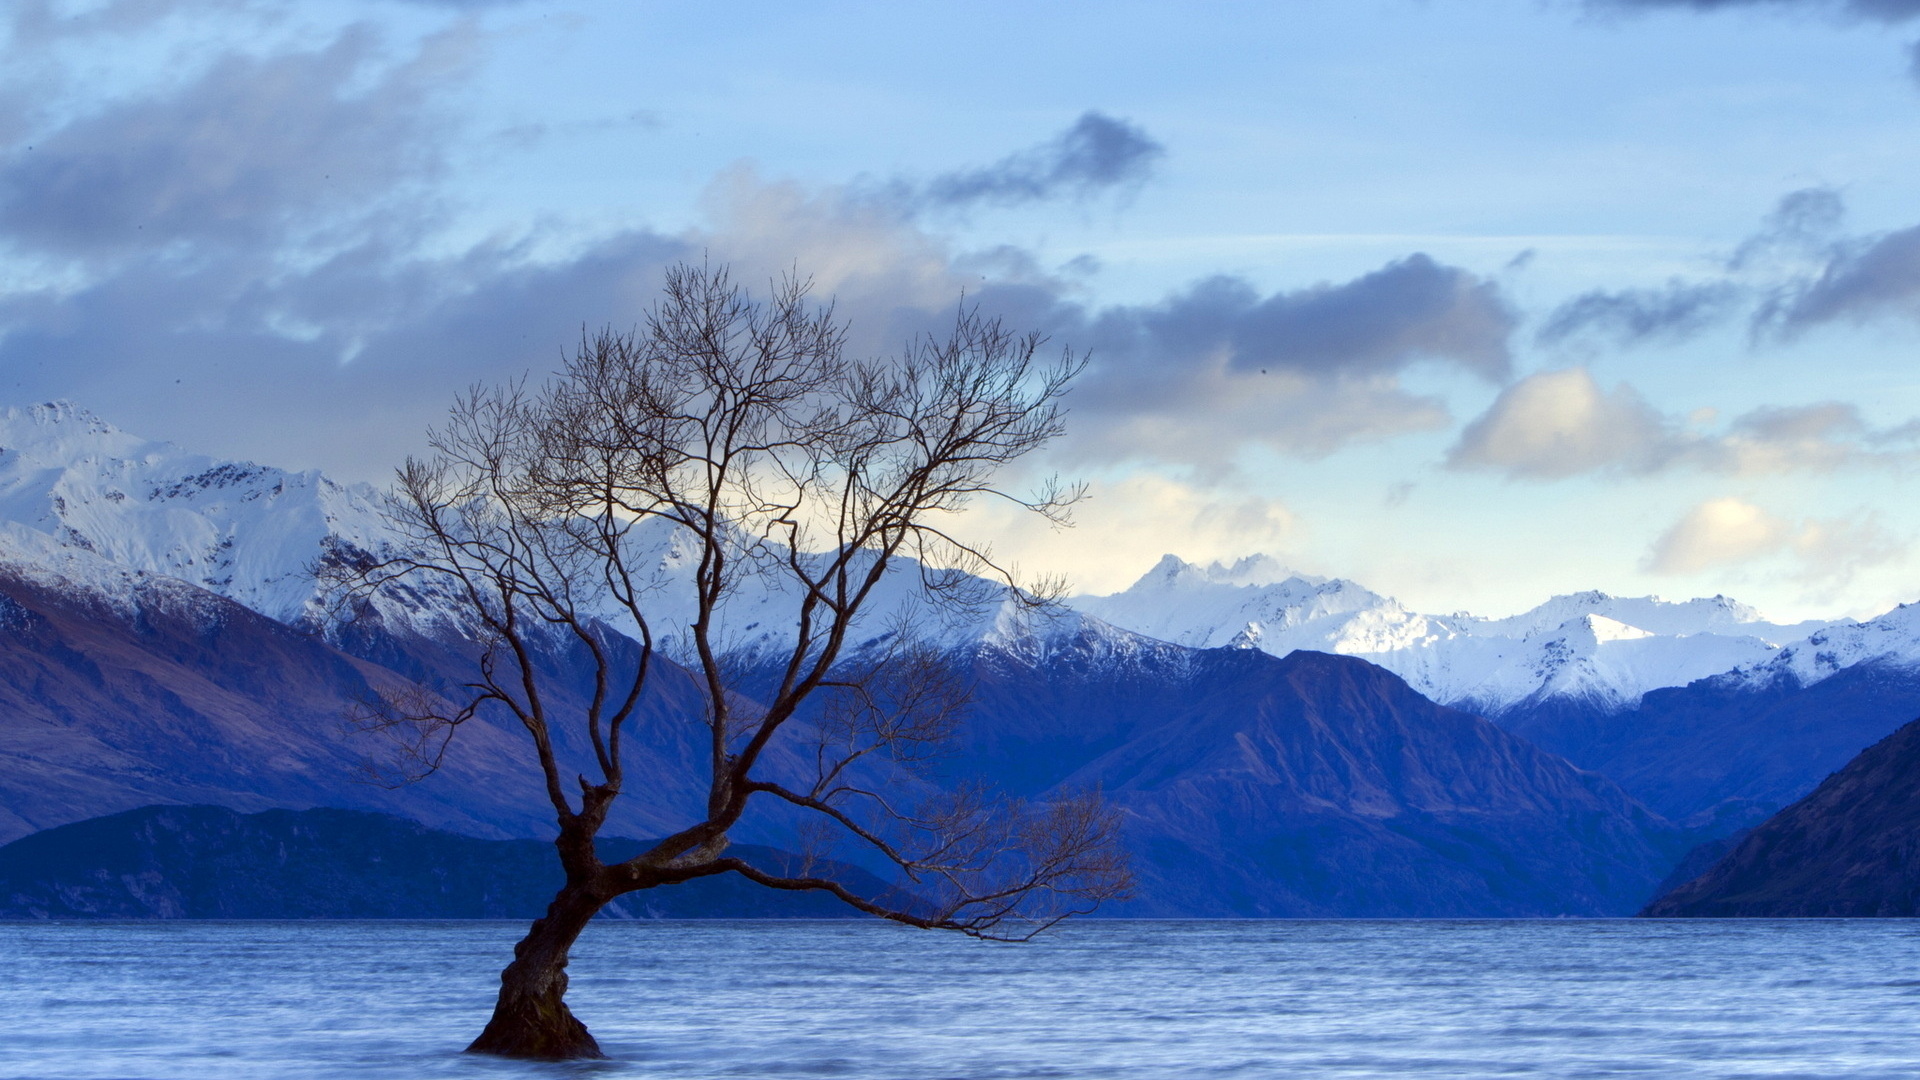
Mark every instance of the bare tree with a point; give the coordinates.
(742, 425)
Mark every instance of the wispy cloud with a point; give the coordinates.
(1676, 311)
(1796, 273)
(1876, 10)
(1099, 153)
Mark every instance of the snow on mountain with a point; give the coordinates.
(1892, 639)
(72, 484)
(83, 499)
(248, 532)
(1590, 646)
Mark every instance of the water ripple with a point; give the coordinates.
(1110, 1000)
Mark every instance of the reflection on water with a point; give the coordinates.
(1147, 1000)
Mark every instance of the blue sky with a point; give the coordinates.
(1473, 301)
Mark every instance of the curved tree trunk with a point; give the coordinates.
(531, 1018)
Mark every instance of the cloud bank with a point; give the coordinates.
(259, 248)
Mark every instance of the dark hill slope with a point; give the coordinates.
(208, 862)
(1723, 749)
(171, 694)
(1314, 785)
(1852, 848)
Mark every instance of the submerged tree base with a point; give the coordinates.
(542, 1029)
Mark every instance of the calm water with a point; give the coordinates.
(862, 1000)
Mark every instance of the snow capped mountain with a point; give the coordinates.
(82, 496)
(1892, 639)
(1589, 646)
(247, 532)
(108, 511)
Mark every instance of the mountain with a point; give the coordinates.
(1720, 747)
(243, 531)
(1740, 745)
(120, 688)
(1252, 784)
(208, 862)
(1851, 848)
(1309, 786)
(1591, 648)
(252, 533)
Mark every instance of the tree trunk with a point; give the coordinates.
(531, 1019)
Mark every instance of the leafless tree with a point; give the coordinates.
(743, 425)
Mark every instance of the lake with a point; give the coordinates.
(1147, 1000)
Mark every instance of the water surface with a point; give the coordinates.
(1124, 1000)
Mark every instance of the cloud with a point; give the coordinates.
(1717, 532)
(1802, 223)
(1729, 531)
(268, 230)
(1862, 279)
(1098, 153)
(1798, 266)
(1410, 310)
(243, 154)
(1560, 423)
(1138, 518)
(1877, 10)
(1557, 424)
(1677, 311)
(1218, 366)
(1192, 379)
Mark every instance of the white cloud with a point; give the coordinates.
(1560, 423)
(1730, 531)
(1717, 532)
(1557, 424)
(1127, 523)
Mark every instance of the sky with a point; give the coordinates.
(1474, 302)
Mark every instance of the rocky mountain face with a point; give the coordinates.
(1314, 785)
(120, 691)
(1733, 748)
(1851, 848)
(209, 862)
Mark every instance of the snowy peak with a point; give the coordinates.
(248, 532)
(1892, 639)
(1253, 600)
(93, 504)
(1589, 645)
(1653, 614)
(1254, 570)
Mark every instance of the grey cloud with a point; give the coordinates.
(1676, 311)
(36, 21)
(1799, 267)
(1803, 222)
(209, 312)
(242, 154)
(1862, 279)
(1410, 310)
(1219, 366)
(1097, 153)
(1878, 10)
(343, 365)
